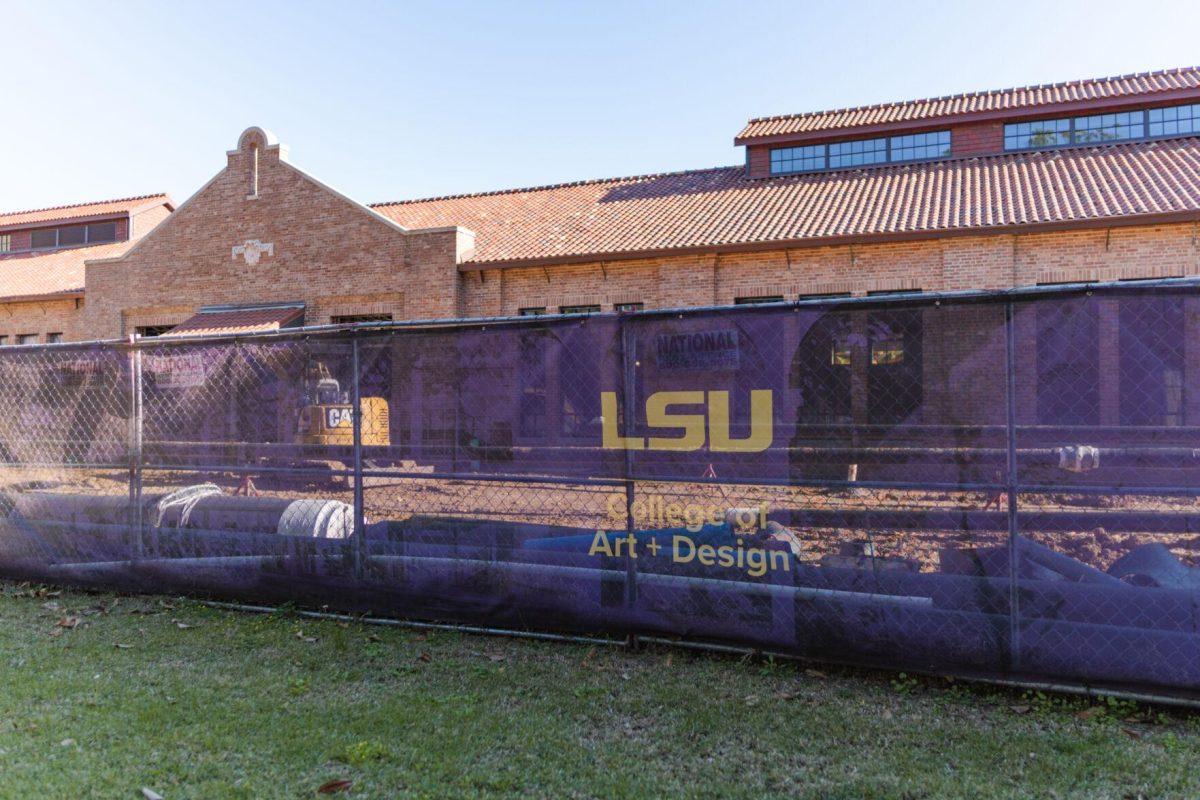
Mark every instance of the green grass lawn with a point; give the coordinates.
(101, 696)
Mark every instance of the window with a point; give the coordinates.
(895, 388)
(26, 338)
(73, 235)
(1110, 127)
(531, 312)
(855, 154)
(355, 319)
(797, 159)
(76, 234)
(820, 371)
(102, 232)
(860, 152)
(3, 341)
(1096, 128)
(579, 309)
(53, 338)
(841, 352)
(150, 331)
(887, 351)
(1043, 133)
(823, 296)
(920, 145)
(625, 308)
(755, 300)
(1174, 121)
(5, 242)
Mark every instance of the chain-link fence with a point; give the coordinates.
(992, 484)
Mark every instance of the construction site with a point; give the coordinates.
(928, 482)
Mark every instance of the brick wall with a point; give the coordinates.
(977, 139)
(951, 264)
(42, 317)
(326, 248)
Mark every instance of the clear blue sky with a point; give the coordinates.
(389, 101)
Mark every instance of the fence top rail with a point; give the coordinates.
(891, 299)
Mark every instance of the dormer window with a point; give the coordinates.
(860, 152)
(1100, 128)
(73, 235)
(1175, 121)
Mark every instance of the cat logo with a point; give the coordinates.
(711, 427)
(339, 417)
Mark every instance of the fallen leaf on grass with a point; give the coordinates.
(68, 622)
(310, 639)
(121, 646)
(815, 673)
(425, 658)
(337, 785)
(374, 638)
(1088, 713)
(1131, 733)
(183, 626)
(1021, 709)
(150, 794)
(496, 656)
(670, 657)
(787, 695)
(588, 657)
(752, 700)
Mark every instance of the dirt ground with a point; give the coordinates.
(602, 507)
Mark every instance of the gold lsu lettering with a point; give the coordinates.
(697, 429)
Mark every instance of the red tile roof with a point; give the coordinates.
(722, 208)
(41, 273)
(226, 322)
(1024, 97)
(101, 208)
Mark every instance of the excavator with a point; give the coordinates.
(327, 415)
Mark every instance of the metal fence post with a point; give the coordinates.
(1014, 556)
(360, 520)
(135, 448)
(628, 381)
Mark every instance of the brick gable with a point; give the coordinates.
(322, 245)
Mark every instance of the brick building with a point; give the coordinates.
(1089, 180)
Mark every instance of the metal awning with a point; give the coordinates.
(231, 320)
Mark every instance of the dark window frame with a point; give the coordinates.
(758, 300)
(88, 236)
(358, 319)
(1144, 113)
(582, 308)
(891, 143)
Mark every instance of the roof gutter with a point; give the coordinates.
(1126, 221)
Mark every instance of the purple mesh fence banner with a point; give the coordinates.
(997, 484)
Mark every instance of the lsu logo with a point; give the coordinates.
(712, 427)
